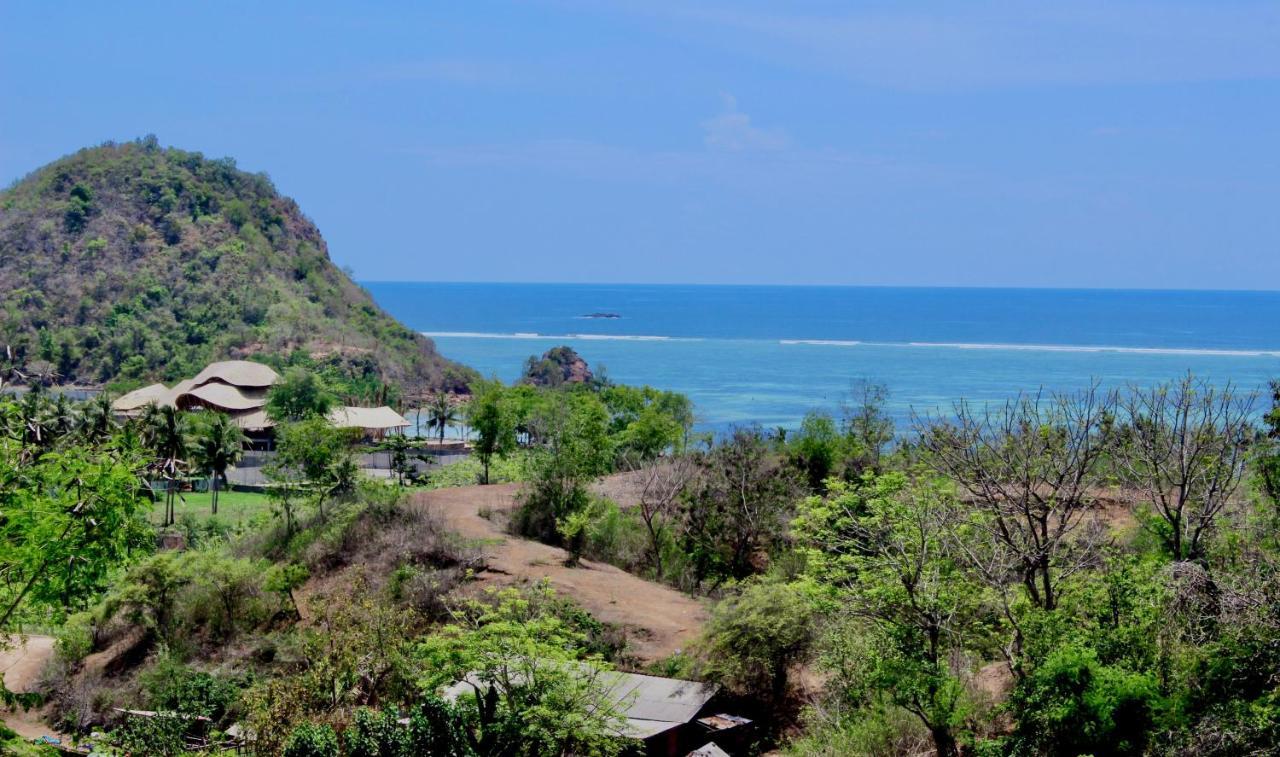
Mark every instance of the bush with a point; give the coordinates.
(311, 740)
(171, 685)
(1071, 704)
(376, 734)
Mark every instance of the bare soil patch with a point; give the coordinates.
(658, 621)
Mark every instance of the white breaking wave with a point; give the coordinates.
(584, 337)
(1090, 348)
(994, 346)
(822, 342)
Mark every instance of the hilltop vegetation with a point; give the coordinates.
(132, 262)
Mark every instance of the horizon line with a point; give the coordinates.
(976, 287)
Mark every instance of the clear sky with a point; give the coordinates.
(1080, 143)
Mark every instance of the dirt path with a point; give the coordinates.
(21, 665)
(659, 621)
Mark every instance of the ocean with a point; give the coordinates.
(769, 354)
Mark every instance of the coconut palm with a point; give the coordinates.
(217, 444)
(442, 414)
(97, 419)
(164, 430)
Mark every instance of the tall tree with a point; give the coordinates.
(441, 414)
(165, 432)
(217, 444)
(491, 417)
(1184, 447)
(1031, 466)
(737, 506)
(882, 548)
(300, 394)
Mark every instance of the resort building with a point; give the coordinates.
(239, 389)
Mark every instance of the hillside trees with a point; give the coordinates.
(1185, 448)
(575, 448)
(880, 552)
(1032, 467)
(737, 506)
(136, 263)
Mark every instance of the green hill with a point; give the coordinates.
(131, 262)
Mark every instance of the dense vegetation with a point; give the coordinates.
(1093, 573)
(130, 263)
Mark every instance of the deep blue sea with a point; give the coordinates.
(768, 355)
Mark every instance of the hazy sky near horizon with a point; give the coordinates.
(1087, 143)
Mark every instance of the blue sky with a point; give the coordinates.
(1087, 143)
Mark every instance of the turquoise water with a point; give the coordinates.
(769, 354)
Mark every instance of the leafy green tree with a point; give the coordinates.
(217, 444)
(533, 689)
(1071, 704)
(149, 593)
(490, 415)
(755, 636)
(285, 579)
(232, 583)
(68, 518)
(882, 551)
(314, 456)
(299, 395)
(868, 428)
(737, 506)
(816, 449)
(375, 733)
(575, 449)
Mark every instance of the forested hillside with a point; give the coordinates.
(132, 262)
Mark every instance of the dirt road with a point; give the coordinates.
(659, 621)
(21, 664)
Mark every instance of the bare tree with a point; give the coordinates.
(659, 484)
(1185, 448)
(1029, 469)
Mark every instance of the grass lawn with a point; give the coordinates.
(233, 507)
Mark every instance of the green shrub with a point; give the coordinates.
(171, 685)
(1071, 704)
(311, 740)
(376, 734)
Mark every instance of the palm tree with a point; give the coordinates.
(164, 430)
(217, 445)
(97, 419)
(442, 414)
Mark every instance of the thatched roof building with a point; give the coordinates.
(239, 389)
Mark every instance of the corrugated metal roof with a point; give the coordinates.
(651, 705)
(652, 698)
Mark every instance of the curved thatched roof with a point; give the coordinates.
(222, 397)
(154, 394)
(241, 373)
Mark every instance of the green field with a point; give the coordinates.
(233, 507)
